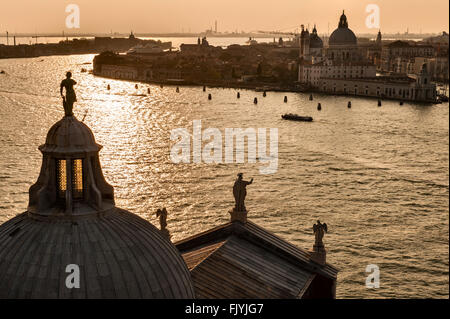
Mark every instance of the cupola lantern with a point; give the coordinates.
(71, 181)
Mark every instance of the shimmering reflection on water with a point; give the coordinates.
(377, 176)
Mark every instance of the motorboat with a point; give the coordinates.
(295, 117)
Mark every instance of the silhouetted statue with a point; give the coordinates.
(319, 231)
(239, 192)
(70, 97)
(162, 214)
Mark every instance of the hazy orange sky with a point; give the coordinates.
(102, 16)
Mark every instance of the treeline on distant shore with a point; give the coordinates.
(75, 46)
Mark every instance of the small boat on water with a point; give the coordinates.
(295, 117)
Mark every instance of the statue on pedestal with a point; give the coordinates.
(239, 212)
(162, 214)
(319, 231)
(240, 192)
(70, 97)
(319, 253)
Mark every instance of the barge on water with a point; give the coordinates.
(295, 117)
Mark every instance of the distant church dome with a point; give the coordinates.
(342, 35)
(315, 42)
(72, 220)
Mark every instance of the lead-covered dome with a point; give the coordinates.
(68, 136)
(119, 255)
(342, 35)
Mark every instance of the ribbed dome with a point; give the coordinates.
(343, 35)
(69, 135)
(72, 220)
(120, 255)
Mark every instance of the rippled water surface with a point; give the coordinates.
(377, 176)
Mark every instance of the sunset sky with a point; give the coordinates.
(157, 16)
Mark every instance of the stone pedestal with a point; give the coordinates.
(166, 233)
(319, 254)
(238, 216)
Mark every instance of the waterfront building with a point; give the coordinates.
(123, 72)
(311, 46)
(342, 59)
(398, 52)
(400, 87)
(349, 68)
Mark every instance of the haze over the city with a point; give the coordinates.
(160, 16)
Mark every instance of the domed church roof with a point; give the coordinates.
(342, 35)
(119, 255)
(315, 42)
(72, 221)
(70, 136)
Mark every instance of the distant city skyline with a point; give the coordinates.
(194, 16)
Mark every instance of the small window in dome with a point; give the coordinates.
(62, 178)
(77, 178)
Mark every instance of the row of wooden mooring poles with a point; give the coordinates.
(255, 100)
(349, 104)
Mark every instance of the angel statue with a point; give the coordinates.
(319, 230)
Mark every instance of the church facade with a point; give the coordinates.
(344, 67)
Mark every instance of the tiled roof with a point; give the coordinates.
(238, 260)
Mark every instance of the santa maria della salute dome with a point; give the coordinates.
(342, 35)
(72, 221)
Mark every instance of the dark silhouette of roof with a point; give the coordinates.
(243, 260)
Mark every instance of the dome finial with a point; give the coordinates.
(343, 21)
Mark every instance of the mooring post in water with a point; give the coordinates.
(349, 105)
(379, 102)
(238, 95)
(285, 99)
(311, 97)
(319, 107)
(209, 96)
(255, 100)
